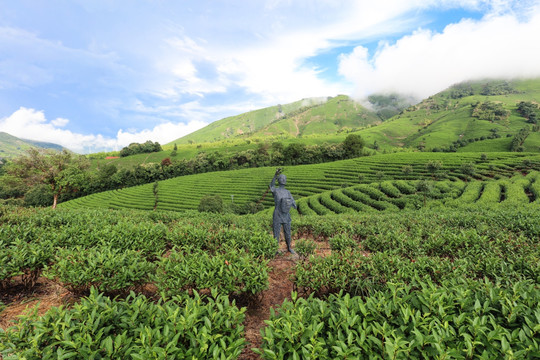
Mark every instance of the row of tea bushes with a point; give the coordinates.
(413, 194)
(457, 320)
(134, 328)
(119, 251)
(247, 185)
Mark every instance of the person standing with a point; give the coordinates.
(283, 201)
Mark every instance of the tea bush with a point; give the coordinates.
(458, 319)
(229, 273)
(108, 270)
(305, 247)
(135, 328)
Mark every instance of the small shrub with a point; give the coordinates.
(211, 203)
(407, 169)
(305, 247)
(342, 242)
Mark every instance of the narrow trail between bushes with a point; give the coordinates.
(279, 289)
(280, 286)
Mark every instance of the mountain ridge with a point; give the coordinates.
(445, 121)
(12, 146)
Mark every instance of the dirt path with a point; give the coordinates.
(279, 289)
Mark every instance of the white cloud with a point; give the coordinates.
(162, 133)
(426, 62)
(31, 124)
(290, 32)
(59, 122)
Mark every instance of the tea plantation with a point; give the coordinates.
(248, 185)
(430, 256)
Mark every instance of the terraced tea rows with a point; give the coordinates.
(400, 194)
(248, 185)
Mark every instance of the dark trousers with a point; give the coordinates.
(286, 230)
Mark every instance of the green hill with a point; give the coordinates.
(11, 146)
(301, 118)
(452, 119)
(464, 116)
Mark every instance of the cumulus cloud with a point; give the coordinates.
(32, 124)
(425, 62)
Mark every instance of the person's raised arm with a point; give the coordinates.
(273, 182)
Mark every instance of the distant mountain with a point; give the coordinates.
(11, 146)
(44, 145)
(305, 117)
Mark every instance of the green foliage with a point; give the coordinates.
(211, 203)
(490, 111)
(353, 145)
(39, 195)
(341, 242)
(134, 328)
(407, 169)
(136, 148)
(469, 169)
(519, 139)
(305, 247)
(108, 270)
(230, 273)
(457, 320)
(63, 172)
(529, 111)
(497, 88)
(21, 258)
(461, 90)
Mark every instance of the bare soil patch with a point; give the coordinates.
(19, 300)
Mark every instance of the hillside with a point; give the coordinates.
(301, 118)
(472, 116)
(11, 146)
(464, 113)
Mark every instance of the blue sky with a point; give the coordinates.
(96, 75)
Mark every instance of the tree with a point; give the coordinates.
(425, 188)
(468, 169)
(353, 145)
(63, 172)
(295, 153)
(433, 166)
(407, 169)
